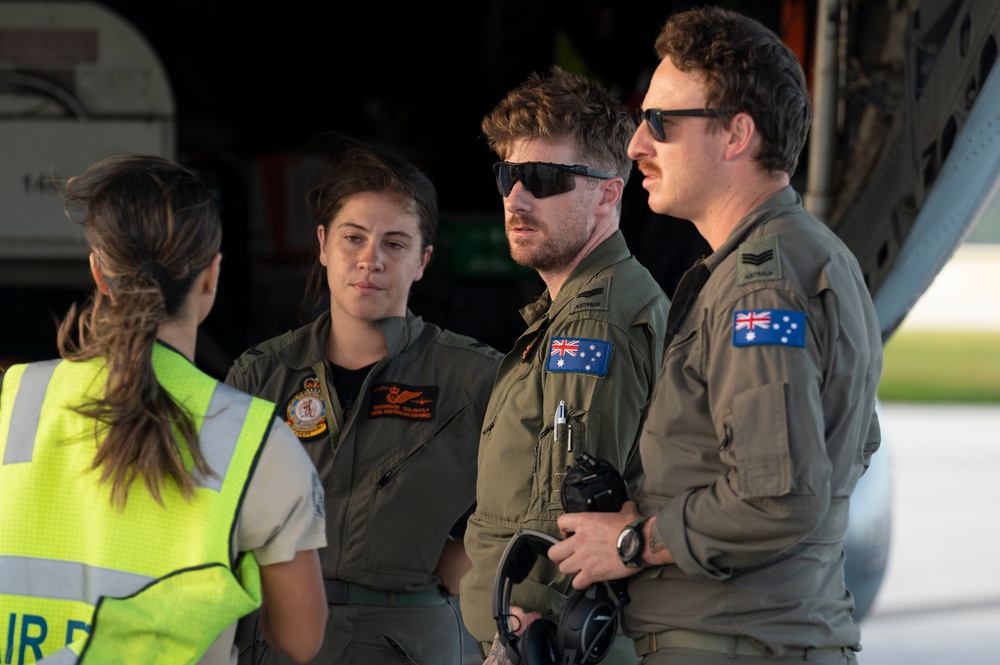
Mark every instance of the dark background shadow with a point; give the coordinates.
(256, 80)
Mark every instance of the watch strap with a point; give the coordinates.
(636, 525)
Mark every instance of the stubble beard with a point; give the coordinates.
(544, 252)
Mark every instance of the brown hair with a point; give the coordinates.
(353, 168)
(153, 227)
(746, 68)
(564, 105)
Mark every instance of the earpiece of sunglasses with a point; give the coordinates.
(542, 179)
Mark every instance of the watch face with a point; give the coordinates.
(628, 544)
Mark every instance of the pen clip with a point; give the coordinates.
(560, 419)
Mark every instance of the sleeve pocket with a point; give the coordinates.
(757, 443)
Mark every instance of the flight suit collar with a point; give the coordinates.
(692, 282)
(400, 332)
(785, 201)
(309, 348)
(613, 250)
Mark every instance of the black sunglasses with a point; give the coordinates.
(542, 179)
(655, 117)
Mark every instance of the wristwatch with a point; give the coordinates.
(631, 543)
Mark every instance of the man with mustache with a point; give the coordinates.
(594, 340)
(764, 414)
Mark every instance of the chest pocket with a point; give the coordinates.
(555, 456)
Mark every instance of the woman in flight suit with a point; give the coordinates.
(386, 405)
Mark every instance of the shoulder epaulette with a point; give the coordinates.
(758, 259)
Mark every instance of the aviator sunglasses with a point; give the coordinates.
(542, 179)
(655, 117)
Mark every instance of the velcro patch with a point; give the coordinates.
(583, 356)
(395, 400)
(758, 260)
(769, 326)
(594, 297)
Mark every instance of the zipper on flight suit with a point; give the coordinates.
(391, 472)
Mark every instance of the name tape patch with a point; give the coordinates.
(396, 400)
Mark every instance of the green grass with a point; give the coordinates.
(956, 367)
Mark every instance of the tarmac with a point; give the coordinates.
(940, 599)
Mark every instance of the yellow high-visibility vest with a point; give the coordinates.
(82, 581)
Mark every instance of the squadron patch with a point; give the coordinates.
(769, 326)
(306, 411)
(579, 355)
(395, 400)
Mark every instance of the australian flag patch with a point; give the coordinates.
(583, 356)
(783, 327)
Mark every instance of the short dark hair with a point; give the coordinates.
(748, 68)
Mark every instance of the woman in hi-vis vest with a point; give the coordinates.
(145, 507)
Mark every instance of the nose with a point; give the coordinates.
(641, 144)
(519, 198)
(370, 259)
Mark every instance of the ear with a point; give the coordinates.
(102, 286)
(742, 135)
(321, 236)
(613, 189)
(212, 273)
(423, 262)
(203, 290)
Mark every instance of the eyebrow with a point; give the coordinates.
(359, 227)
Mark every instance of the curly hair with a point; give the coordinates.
(748, 68)
(561, 105)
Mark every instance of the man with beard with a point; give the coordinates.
(580, 377)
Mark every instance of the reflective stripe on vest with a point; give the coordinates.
(61, 657)
(64, 548)
(27, 411)
(65, 580)
(224, 429)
